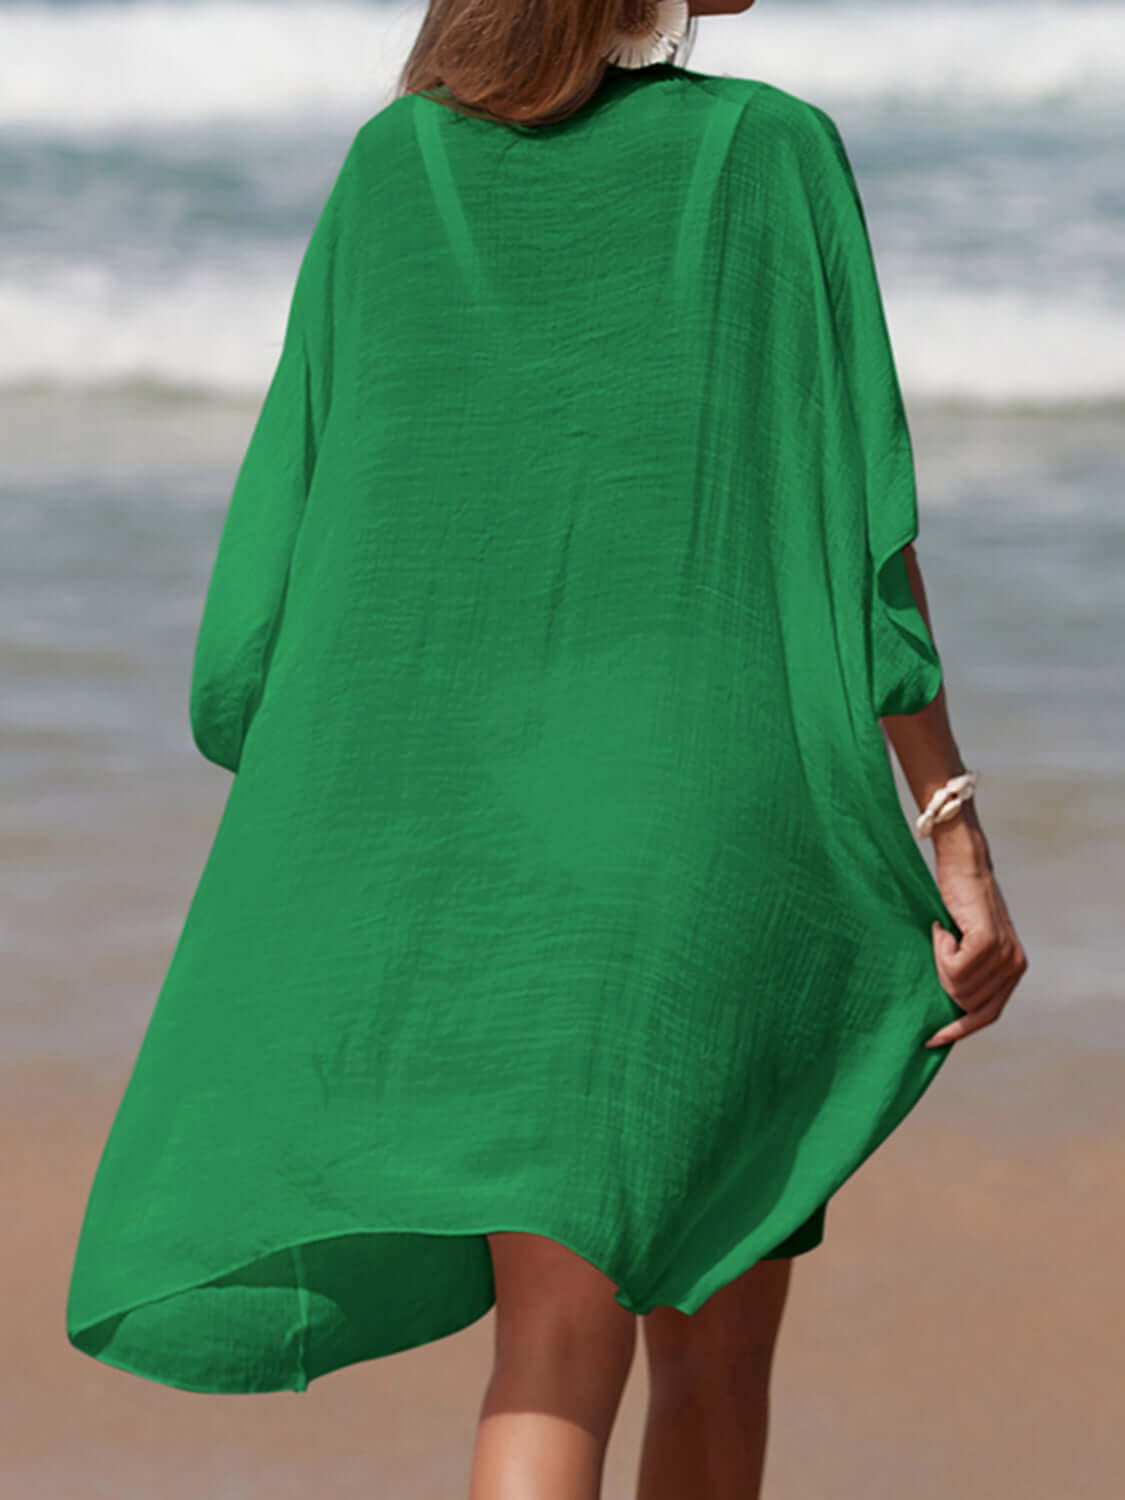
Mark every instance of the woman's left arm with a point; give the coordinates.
(928, 754)
(981, 971)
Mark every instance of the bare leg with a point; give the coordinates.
(709, 1377)
(562, 1355)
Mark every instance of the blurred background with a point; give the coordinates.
(162, 165)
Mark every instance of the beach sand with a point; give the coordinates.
(957, 1334)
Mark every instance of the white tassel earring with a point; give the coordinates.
(654, 39)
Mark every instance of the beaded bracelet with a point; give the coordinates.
(946, 802)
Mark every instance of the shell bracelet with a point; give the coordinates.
(946, 802)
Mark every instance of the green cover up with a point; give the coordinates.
(562, 883)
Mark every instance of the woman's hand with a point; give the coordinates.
(981, 971)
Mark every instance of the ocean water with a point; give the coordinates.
(161, 168)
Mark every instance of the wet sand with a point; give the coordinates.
(957, 1334)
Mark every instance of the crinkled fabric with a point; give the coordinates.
(562, 883)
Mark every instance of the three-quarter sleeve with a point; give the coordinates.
(905, 668)
(245, 596)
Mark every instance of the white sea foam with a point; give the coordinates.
(81, 70)
(222, 331)
(998, 252)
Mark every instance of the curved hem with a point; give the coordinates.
(75, 1331)
(808, 1235)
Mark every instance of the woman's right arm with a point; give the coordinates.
(980, 972)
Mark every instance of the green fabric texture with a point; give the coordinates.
(562, 884)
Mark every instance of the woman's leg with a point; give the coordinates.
(563, 1350)
(709, 1377)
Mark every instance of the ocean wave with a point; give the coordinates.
(218, 332)
(86, 69)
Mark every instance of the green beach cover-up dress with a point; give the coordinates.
(562, 884)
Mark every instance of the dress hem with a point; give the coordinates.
(77, 1333)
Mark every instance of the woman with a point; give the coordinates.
(562, 945)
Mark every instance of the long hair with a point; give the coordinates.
(520, 62)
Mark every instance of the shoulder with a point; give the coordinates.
(385, 124)
(369, 143)
(787, 117)
(777, 135)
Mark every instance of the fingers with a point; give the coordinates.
(979, 976)
(980, 952)
(975, 984)
(975, 1020)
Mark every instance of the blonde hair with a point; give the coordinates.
(522, 62)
